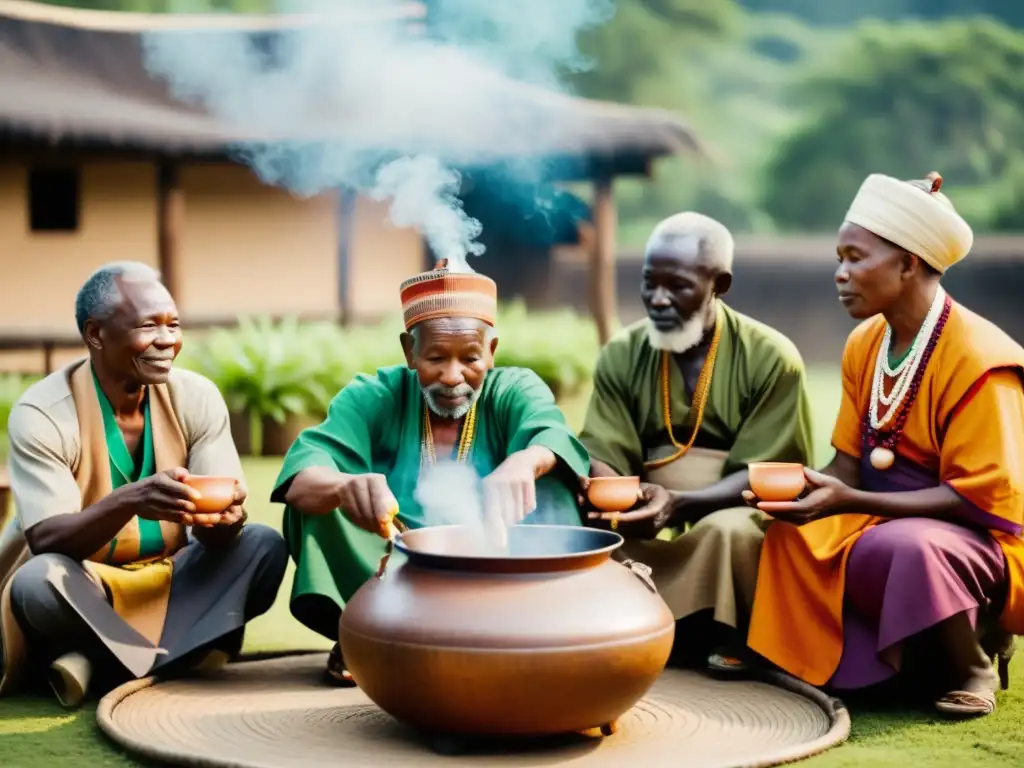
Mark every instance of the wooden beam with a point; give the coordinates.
(602, 261)
(170, 225)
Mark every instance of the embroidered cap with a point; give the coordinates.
(442, 293)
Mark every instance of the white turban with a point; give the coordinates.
(923, 224)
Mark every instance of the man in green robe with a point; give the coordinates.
(345, 480)
(687, 398)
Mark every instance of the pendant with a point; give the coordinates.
(882, 458)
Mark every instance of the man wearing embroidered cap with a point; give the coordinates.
(910, 537)
(345, 480)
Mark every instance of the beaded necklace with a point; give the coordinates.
(904, 372)
(427, 453)
(909, 374)
(700, 397)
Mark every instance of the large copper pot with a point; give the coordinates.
(556, 637)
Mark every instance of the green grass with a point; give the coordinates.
(36, 732)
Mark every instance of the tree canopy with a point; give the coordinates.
(920, 97)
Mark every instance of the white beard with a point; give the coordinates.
(677, 341)
(451, 413)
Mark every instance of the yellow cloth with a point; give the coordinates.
(923, 224)
(139, 593)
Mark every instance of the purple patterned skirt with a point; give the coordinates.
(910, 574)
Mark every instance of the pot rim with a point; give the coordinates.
(535, 563)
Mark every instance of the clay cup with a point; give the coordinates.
(217, 493)
(776, 480)
(614, 494)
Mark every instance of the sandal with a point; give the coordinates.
(336, 674)
(723, 663)
(966, 703)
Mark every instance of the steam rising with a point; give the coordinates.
(416, 110)
(450, 494)
(422, 194)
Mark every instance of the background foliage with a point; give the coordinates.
(800, 99)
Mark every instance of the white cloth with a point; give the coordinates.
(924, 224)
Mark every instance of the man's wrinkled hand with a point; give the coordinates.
(228, 517)
(510, 491)
(653, 511)
(164, 496)
(368, 502)
(232, 515)
(824, 496)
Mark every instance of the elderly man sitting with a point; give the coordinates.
(106, 567)
(687, 399)
(345, 480)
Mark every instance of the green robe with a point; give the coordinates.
(758, 407)
(375, 424)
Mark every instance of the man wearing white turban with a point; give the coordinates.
(911, 536)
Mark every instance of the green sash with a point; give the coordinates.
(125, 469)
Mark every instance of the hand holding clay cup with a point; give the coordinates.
(825, 495)
(652, 512)
(613, 494)
(644, 507)
(776, 480)
(217, 494)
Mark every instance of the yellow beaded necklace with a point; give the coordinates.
(700, 397)
(427, 451)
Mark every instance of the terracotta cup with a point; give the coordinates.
(217, 493)
(777, 480)
(614, 494)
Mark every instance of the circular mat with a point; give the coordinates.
(277, 714)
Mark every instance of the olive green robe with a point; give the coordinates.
(375, 424)
(757, 410)
(758, 407)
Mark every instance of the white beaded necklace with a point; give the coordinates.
(904, 372)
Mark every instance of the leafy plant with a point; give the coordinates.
(265, 368)
(290, 368)
(560, 347)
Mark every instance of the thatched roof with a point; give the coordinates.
(69, 75)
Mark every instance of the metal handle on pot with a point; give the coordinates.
(642, 572)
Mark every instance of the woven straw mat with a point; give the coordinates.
(278, 714)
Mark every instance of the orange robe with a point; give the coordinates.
(966, 426)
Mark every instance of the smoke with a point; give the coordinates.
(450, 494)
(335, 102)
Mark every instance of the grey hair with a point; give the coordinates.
(490, 332)
(715, 242)
(99, 296)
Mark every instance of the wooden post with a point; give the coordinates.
(170, 225)
(47, 357)
(602, 260)
(345, 216)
